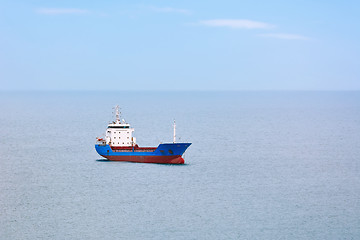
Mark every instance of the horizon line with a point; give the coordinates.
(190, 90)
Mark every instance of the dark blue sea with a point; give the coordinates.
(262, 165)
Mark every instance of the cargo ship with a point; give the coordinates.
(120, 145)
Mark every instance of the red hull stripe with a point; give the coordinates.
(136, 147)
(148, 159)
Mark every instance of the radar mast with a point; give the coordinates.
(117, 113)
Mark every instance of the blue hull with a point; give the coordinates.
(164, 153)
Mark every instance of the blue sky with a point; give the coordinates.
(179, 45)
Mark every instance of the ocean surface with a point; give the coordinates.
(262, 165)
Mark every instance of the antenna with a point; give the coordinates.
(174, 131)
(117, 113)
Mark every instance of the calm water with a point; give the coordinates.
(263, 165)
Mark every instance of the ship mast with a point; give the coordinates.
(174, 132)
(117, 113)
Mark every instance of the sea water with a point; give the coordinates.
(262, 165)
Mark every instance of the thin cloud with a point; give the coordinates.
(237, 23)
(60, 11)
(284, 36)
(170, 10)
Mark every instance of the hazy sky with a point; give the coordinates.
(180, 45)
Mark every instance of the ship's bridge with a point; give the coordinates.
(121, 125)
(119, 133)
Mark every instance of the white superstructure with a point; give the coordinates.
(119, 133)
